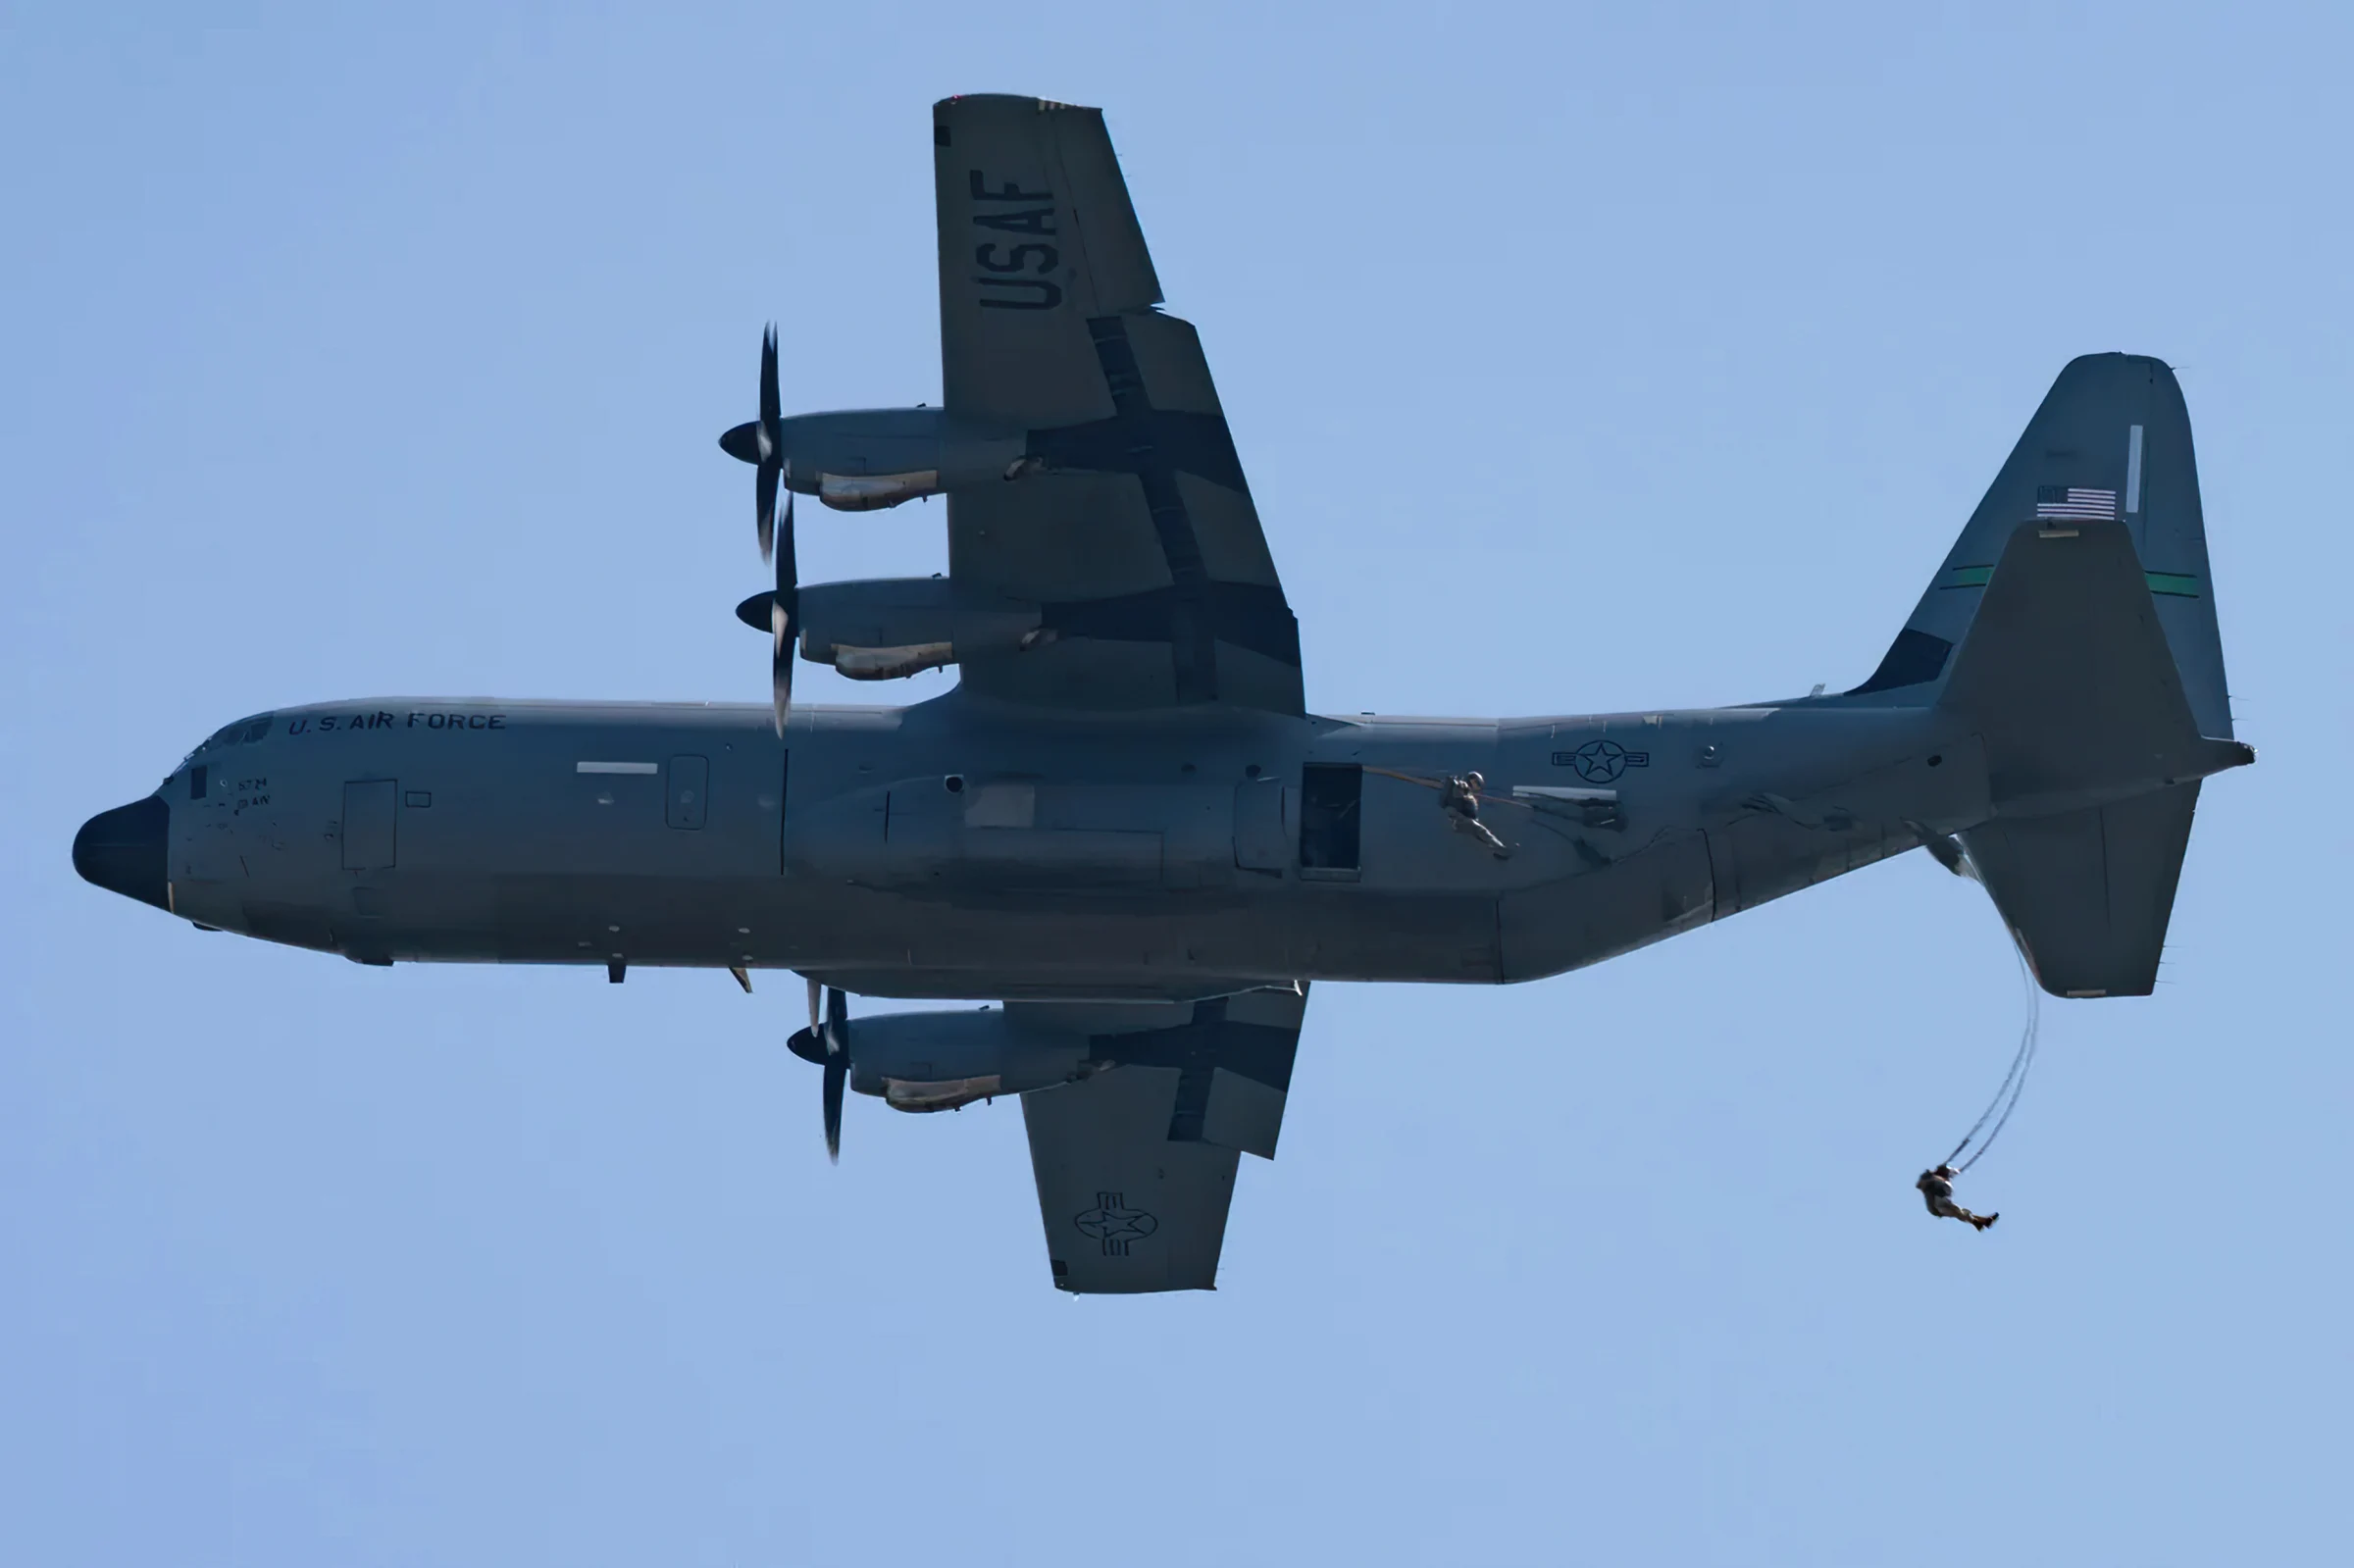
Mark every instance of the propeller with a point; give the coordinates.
(761, 442)
(837, 1069)
(826, 1043)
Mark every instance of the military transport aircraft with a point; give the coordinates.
(1124, 825)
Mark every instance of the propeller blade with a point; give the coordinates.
(837, 1066)
(784, 611)
(826, 1044)
(838, 1073)
(772, 408)
(780, 663)
(789, 562)
(764, 487)
(768, 438)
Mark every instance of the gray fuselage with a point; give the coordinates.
(956, 850)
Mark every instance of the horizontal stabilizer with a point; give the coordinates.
(2088, 894)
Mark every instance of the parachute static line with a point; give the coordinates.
(2006, 1098)
(1486, 797)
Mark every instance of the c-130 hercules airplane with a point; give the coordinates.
(1124, 825)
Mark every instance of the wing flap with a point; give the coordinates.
(1242, 1113)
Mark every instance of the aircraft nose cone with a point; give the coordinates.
(123, 851)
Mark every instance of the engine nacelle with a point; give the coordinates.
(860, 460)
(936, 1061)
(881, 629)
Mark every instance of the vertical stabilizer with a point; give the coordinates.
(2111, 442)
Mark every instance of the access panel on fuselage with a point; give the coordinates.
(371, 830)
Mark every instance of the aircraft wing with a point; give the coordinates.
(1129, 520)
(1135, 1164)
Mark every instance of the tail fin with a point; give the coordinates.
(2093, 757)
(2072, 625)
(2111, 439)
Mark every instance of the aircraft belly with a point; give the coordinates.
(1774, 843)
(1659, 890)
(1172, 943)
(1167, 944)
(1761, 858)
(708, 921)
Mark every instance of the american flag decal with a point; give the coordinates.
(2071, 502)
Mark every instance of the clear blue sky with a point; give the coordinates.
(1582, 358)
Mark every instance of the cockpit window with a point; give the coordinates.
(244, 732)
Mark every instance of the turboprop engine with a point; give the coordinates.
(936, 1061)
(879, 628)
(862, 460)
